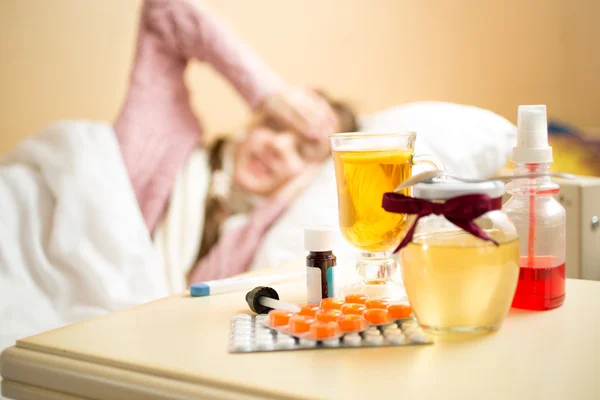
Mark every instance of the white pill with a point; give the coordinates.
(286, 345)
(241, 342)
(263, 337)
(417, 337)
(374, 340)
(390, 332)
(285, 338)
(242, 346)
(352, 340)
(331, 343)
(240, 338)
(412, 331)
(396, 339)
(390, 326)
(307, 343)
(373, 333)
(372, 329)
(265, 345)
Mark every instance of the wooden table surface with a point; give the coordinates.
(177, 348)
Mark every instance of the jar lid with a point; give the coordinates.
(444, 189)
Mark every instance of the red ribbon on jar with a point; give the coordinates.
(460, 210)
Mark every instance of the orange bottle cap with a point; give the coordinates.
(357, 298)
(279, 317)
(328, 315)
(300, 323)
(351, 323)
(308, 309)
(331, 303)
(377, 303)
(353, 308)
(398, 311)
(323, 330)
(377, 316)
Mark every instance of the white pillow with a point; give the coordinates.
(470, 141)
(317, 206)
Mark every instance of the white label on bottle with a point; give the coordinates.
(313, 285)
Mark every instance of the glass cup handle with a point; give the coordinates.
(427, 159)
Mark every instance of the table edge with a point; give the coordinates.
(17, 390)
(89, 380)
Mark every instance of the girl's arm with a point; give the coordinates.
(157, 129)
(190, 31)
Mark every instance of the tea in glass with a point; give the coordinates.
(363, 177)
(367, 165)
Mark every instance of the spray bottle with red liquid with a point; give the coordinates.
(539, 218)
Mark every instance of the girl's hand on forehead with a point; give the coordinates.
(302, 110)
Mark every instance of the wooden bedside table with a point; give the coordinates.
(177, 348)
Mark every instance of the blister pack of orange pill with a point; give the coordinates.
(354, 322)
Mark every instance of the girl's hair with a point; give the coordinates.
(344, 112)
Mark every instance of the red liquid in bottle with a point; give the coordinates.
(541, 287)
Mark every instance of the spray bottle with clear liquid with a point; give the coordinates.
(539, 218)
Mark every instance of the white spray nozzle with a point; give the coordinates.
(532, 136)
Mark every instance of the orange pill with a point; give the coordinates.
(398, 311)
(377, 303)
(351, 323)
(353, 308)
(308, 309)
(328, 315)
(377, 316)
(331, 304)
(300, 323)
(323, 330)
(279, 317)
(356, 298)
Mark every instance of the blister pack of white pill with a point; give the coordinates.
(249, 334)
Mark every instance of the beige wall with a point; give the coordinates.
(70, 58)
(582, 53)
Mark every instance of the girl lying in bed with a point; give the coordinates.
(183, 185)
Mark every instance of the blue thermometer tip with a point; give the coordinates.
(199, 290)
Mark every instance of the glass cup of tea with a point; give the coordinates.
(367, 165)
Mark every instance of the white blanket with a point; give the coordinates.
(73, 243)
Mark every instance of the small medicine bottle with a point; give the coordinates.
(319, 263)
